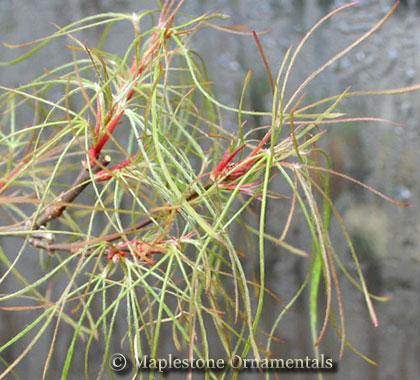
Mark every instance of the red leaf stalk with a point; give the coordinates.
(228, 171)
(105, 175)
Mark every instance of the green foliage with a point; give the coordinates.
(148, 244)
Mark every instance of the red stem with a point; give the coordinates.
(104, 175)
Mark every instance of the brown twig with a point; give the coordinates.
(79, 184)
(53, 212)
(77, 246)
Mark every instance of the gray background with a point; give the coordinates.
(384, 156)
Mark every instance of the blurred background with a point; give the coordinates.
(384, 156)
